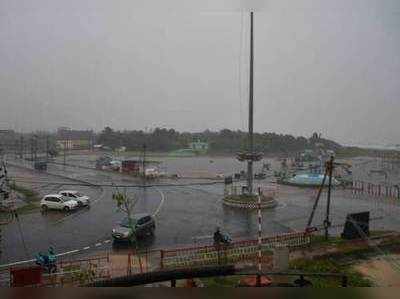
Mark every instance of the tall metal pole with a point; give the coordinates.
(64, 152)
(251, 83)
(259, 239)
(310, 219)
(21, 147)
(32, 149)
(47, 148)
(16, 148)
(327, 223)
(35, 148)
(144, 163)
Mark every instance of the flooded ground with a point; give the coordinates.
(184, 214)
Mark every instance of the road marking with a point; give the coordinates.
(57, 255)
(203, 237)
(16, 263)
(161, 203)
(68, 252)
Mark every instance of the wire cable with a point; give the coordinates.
(22, 236)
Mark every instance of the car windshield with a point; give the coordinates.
(125, 222)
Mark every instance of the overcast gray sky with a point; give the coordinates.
(328, 66)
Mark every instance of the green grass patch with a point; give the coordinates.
(28, 208)
(31, 198)
(243, 198)
(29, 194)
(343, 243)
(223, 281)
(355, 279)
(320, 240)
(375, 233)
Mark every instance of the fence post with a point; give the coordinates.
(344, 281)
(162, 259)
(147, 260)
(140, 262)
(129, 270)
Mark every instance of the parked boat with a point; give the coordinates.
(308, 180)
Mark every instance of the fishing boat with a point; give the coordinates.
(308, 180)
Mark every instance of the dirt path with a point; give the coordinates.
(380, 271)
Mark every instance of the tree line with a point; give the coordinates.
(220, 142)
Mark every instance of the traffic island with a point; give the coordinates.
(247, 201)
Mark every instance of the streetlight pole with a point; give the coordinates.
(251, 87)
(327, 222)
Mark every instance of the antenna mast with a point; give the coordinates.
(251, 86)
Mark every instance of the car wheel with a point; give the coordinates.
(66, 209)
(44, 208)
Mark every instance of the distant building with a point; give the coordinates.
(199, 147)
(195, 148)
(7, 140)
(74, 139)
(7, 133)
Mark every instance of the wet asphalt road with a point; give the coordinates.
(183, 212)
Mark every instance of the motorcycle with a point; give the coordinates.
(47, 261)
(222, 239)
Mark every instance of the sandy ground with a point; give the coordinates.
(381, 271)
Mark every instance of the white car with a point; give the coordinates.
(82, 200)
(58, 202)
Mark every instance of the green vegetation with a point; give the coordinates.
(29, 207)
(351, 248)
(29, 194)
(350, 152)
(223, 281)
(31, 198)
(225, 141)
(320, 240)
(222, 142)
(243, 198)
(348, 252)
(355, 279)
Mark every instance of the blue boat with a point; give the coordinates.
(308, 180)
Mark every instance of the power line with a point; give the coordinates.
(242, 122)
